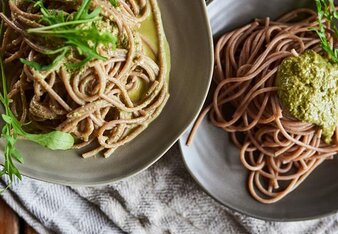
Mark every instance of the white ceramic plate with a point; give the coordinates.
(214, 162)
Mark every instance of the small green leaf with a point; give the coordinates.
(39, 67)
(2, 172)
(7, 118)
(17, 155)
(15, 171)
(32, 64)
(115, 3)
(95, 13)
(75, 66)
(66, 27)
(85, 49)
(9, 167)
(82, 10)
(10, 140)
(55, 140)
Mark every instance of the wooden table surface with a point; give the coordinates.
(10, 223)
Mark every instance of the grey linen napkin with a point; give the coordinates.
(162, 199)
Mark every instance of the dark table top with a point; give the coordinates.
(11, 223)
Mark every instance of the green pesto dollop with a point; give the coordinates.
(308, 89)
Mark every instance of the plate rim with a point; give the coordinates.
(182, 141)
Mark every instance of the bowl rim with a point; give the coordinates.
(166, 147)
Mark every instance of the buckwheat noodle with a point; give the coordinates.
(94, 104)
(278, 151)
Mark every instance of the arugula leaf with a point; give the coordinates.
(75, 66)
(7, 118)
(40, 67)
(35, 65)
(115, 3)
(17, 155)
(73, 34)
(83, 12)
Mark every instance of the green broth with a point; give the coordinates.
(148, 31)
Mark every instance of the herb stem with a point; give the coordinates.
(12, 128)
(42, 29)
(326, 12)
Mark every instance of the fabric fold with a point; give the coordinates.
(162, 199)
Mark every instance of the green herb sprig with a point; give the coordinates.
(327, 12)
(77, 31)
(12, 129)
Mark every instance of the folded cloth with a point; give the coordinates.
(162, 199)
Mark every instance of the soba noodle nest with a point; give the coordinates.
(278, 151)
(95, 103)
